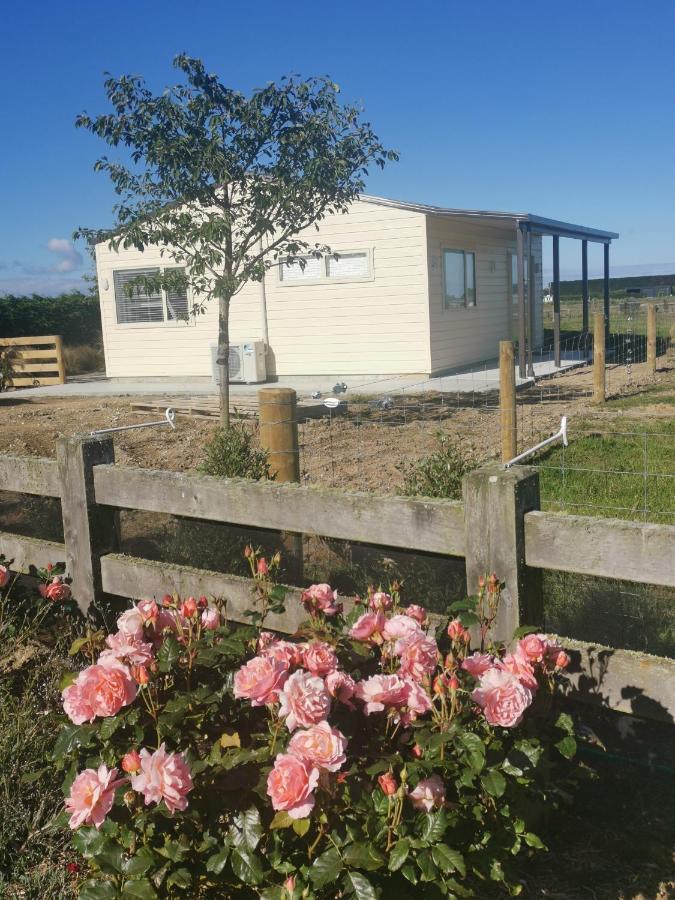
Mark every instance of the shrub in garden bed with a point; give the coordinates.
(368, 756)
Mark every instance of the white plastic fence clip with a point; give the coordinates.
(169, 419)
(561, 434)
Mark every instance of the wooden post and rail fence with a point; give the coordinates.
(498, 527)
(35, 360)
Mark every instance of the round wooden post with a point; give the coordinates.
(651, 338)
(507, 400)
(279, 431)
(599, 358)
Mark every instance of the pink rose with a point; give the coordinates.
(380, 692)
(478, 663)
(457, 632)
(285, 652)
(163, 776)
(131, 762)
(290, 785)
(210, 618)
(503, 697)
(417, 702)
(265, 640)
(419, 656)
(533, 646)
(418, 613)
(518, 664)
(341, 686)
(148, 611)
(304, 700)
(170, 620)
(380, 602)
(5, 575)
(128, 648)
(321, 598)
(56, 590)
(131, 623)
(429, 793)
(552, 651)
(400, 627)
(321, 746)
(368, 627)
(388, 783)
(562, 660)
(99, 690)
(92, 795)
(260, 680)
(319, 658)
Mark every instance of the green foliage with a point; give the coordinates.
(76, 316)
(232, 453)
(438, 475)
(356, 840)
(8, 356)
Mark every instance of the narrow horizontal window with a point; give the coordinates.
(294, 271)
(348, 265)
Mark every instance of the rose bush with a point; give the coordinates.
(370, 755)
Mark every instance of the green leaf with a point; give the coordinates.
(362, 856)
(246, 866)
(325, 868)
(448, 860)
(248, 823)
(426, 865)
(281, 820)
(110, 859)
(181, 878)
(140, 889)
(168, 654)
(409, 871)
(399, 854)
(532, 840)
(218, 861)
(109, 726)
(567, 746)
(435, 825)
(523, 630)
(493, 783)
(357, 885)
(301, 826)
(88, 841)
(67, 680)
(97, 890)
(143, 860)
(475, 750)
(565, 723)
(71, 737)
(276, 892)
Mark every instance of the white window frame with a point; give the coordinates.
(167, 322)
(446, 305)
(325, 278)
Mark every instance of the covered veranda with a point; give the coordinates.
(528, 226)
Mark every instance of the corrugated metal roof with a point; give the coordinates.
(537, 224)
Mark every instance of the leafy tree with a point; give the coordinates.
(228, 182)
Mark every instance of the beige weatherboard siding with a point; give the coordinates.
(383, 314)
(373, 325)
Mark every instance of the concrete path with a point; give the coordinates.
(471, 380)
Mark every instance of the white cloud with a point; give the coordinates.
(70, 258)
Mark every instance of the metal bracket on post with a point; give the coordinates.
(560, 434)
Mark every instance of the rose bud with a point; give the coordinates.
(289, 884)
(189, 608)
(140, 674)
(453, 684)
(276, 559)
(248, 551)
(203, 602)
(129, 799)
(562, 660)
(131, 762)
(450, 660)
(263, 568)
(439, 685)
(388, 784)
(456, 631)
(417, 751)
(49, 567)
(481, 581)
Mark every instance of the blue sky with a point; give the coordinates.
(566, 110)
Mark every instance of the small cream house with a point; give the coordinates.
(414, 289)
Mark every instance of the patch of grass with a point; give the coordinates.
(653, 395)
(83, 359)
(617, 471)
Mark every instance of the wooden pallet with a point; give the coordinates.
(244, 407)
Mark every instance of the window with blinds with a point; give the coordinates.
(135, 305)
(348, 265)
(293, 270)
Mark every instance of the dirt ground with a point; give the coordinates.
(365, 449)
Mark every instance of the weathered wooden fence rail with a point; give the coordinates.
(498, 527)
(37, 360)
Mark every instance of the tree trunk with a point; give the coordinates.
(224, 358)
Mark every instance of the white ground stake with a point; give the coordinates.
(169, 419)
(562, 433)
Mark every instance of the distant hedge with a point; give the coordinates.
(76, 316)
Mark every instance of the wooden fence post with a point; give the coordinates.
(278, 413)
(495, 503)
(651, 338)
(58, 347)
(507, 400)
(89, 530)
(599, 358)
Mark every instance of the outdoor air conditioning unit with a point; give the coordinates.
(247, 363)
